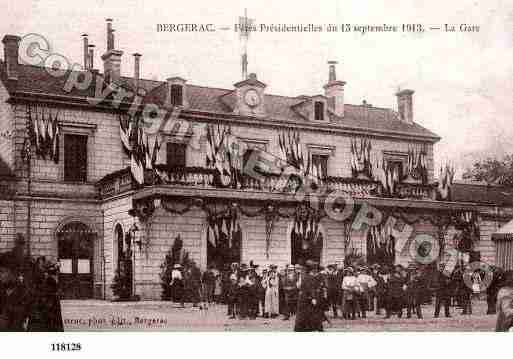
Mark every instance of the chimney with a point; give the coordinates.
(86, 52)
(137, 69)
(405, 105)
(334, 90)
(110, 35)
(112, 58)
(11, 50)
(91, 57)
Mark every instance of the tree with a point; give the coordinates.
(121, 285)
(492, 171)
(176, 255)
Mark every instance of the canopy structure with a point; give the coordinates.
(504, 233)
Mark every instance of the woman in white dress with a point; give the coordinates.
(271, 294)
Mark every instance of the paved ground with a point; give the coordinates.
(92, 315)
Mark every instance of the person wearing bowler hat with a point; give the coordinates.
(310, 314)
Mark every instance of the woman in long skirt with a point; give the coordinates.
(272, 306)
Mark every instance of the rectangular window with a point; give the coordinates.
(321, 163)
(319, 111)
(75, 158)
(175, 154)
(176, 95)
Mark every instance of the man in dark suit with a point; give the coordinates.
(333, 288)
(395, 293)
(289, 285)
(414, 293)
(310, 314)
(441, 285)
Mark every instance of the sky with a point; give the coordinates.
(463, 81)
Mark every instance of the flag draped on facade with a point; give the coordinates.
(306, 236)
(292, 151)
(225, 154)
(361, 157)
(43, 132)
(380, 245)
(445, 182)
(142, 149)
(224, 235)
(388, 176)
(416, 166)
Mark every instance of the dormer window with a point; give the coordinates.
(319, 111)
(177, 95)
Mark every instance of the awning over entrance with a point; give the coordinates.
(504, 233)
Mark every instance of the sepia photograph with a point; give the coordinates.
(339, 166)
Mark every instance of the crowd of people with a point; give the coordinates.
(29, 298)
(348, 292)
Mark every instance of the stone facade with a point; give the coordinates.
(40, 207)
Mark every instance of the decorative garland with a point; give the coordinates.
(223, 225)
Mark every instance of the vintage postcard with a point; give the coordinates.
(334, 166)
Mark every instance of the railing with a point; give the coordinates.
(114, 183)
(415, 191)
(199, 177)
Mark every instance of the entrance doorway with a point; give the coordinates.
(306, 243)
(224, 242)
(75, 251)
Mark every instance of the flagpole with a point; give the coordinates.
(29, 189)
